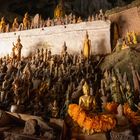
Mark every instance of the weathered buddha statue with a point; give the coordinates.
(26, 21)
(15, 24)
(87, 101)
(87, 47)
(116, 90)
(55, 109)
(2, 25)
(17, 49)
(129, 96)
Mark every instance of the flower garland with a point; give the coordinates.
(111, 107)
(131, 115)
(98, 123)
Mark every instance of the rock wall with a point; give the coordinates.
(53, 38)
(127, 20)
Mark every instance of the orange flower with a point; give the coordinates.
(81, 118)
(111, 107)
(98, 123)
(88, 123)
(131, 115)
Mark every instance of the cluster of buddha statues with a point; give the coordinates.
(130, 40)
(45, 84)
(116, 87)
(40, 83)
(38, 22)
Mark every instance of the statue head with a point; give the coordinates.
(86, 89)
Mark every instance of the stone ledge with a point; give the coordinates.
(100, 136)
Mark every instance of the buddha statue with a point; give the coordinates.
(2, 25)
(15, 24)
(87, 47)
(17, 49)
(129, 96)
(79, 20)
(87, 102)
(58, 12)
(116, 90)
(124, 45)
(134, 38)
(128, 38)
(26, 21)
(55, 109)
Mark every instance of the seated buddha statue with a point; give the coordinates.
(87, 101)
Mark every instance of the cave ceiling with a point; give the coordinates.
(13, 8)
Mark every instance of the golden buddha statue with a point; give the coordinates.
(87, 102)
(58, 12)
(87, 47)
(2, 25)
(17, 49)
(26, 21)
(134, 37)
(128, 38)
(15, 24)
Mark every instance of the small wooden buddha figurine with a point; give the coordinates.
(15, 24)
(55, 109)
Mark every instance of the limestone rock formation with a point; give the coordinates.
(122, 60)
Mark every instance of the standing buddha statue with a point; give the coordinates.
(26, 21)
(17, 49)
(58, 12)
(116, 90)
(2, 25)
(87, 47)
